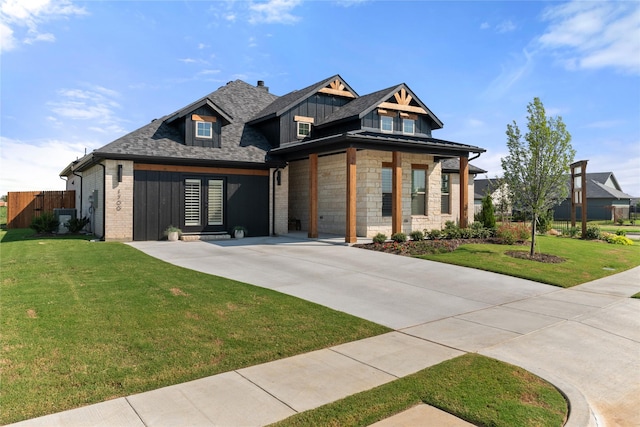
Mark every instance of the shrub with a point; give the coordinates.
(487, 214)
(467, 233)
(45, 223)
(76, 225)
(379, 238)
(399, 237)
(572, 232)
(435, 234)
(513, 232)
(417, 235)
(620, 221)
(451, 230)
(593, 232)
(621, 232)
(545, 222)
(616, 239)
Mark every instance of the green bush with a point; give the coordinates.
(417, 235)
(621, 232)
(379, 238)
(45, 223)
(593, 232)
(572, 232)
(545, 222)
(399, 237)
(435, 234)
(617, 239)
(620, 221)
(487, 214)
(513, 232)
(76, 225)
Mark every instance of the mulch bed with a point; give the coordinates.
(424, 247)
(546, 258)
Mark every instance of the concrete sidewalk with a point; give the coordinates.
(585, 340)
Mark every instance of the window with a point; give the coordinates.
(418, 192)
(408, 126)
(445, 204)
(386, 124)
(204, 130)
(387, 188)
(304, 129)
(216, 202)
(191, 202)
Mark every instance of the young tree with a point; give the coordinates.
(537, 166)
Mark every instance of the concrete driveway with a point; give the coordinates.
(585, 340)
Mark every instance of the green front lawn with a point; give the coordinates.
(84, 322)
(475, 388)
(585, 260)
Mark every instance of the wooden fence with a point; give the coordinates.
(23, 206)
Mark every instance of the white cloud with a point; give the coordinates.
(27, 16)
(505, 26)
(7, 40)
(35, 165)
(594, 35)
(97, 104)
(475, 123)
(274, 12)
(605, 124)
(231, 17)
(518, 67)
(485, 26)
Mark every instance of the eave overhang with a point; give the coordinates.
(96, 157)
(367, 141)
(198, 104)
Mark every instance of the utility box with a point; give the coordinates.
(64, 216)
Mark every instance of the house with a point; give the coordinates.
(499, 196)
(605, 199)
(323, 156)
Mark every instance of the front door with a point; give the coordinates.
(204, 207)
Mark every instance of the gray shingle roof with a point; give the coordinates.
(453, 165)
(364, 104)
(240, 143)
(288, 101)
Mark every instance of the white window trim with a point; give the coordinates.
(382, 127)
(204, 136)
(413, 126)
(302, 135)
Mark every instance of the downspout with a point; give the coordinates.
(475, 157)
(273, 201)
(80, 176)
(104, 200)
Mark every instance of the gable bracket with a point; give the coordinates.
(399, 107)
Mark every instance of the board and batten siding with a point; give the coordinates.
(318, 106)
(159, 202)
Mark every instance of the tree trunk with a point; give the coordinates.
(533, 234)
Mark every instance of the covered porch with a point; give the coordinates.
(359, 189)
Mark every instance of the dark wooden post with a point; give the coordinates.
(464, 192)
(350, 236)
(313, 196)
(396, 182)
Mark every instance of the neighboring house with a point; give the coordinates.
(498, 192)
(323, 156)
(450, 184)
(605, 199)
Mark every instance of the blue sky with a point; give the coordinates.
(76, 75)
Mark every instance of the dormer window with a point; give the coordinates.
(303, 126)
(204, 130)
(386, 124)
(408, 126)
(304, 129)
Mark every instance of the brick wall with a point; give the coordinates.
(281, 203)
(119, 201)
